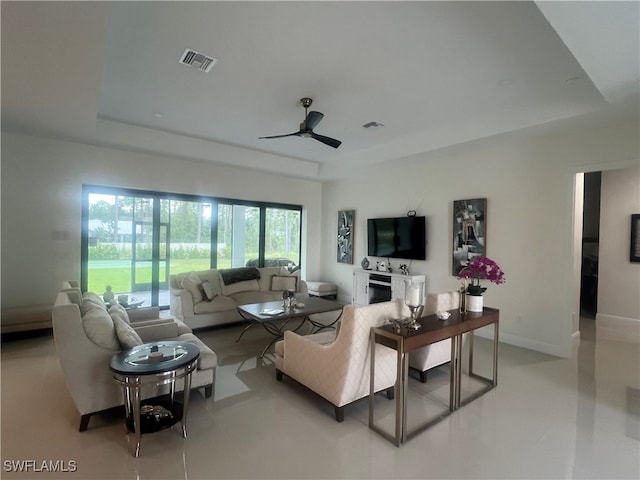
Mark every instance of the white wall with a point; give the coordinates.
(529, 186)
(618, 278)
(42, 196)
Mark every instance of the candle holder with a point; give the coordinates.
(414, 299)
(288, 299)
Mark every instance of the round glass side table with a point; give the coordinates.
(157, 363)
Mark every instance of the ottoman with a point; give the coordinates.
(322, 289)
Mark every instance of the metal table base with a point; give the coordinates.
(432, 330)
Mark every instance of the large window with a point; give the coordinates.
(190, 237)
(132, 240)
(282, 235)
(238, 235)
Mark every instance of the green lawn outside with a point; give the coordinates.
(117, 273)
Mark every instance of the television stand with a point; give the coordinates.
(372, 286)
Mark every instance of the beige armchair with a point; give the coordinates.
(86, 339)
(336, 366)
(439, 353)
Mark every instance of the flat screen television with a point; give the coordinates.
(400, 237)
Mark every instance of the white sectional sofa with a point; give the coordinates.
(210, 297)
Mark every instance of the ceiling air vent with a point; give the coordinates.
(197, 60)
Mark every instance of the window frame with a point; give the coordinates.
(88, 189)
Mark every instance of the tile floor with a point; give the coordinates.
(548, 418)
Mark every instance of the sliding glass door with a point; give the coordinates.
(189, 243)
(133, 241)
(238, 236)
(120, 251)
(142, 256)
(282, 237)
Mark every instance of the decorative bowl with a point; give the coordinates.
(443, 314)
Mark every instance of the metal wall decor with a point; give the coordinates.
(634, 253)
(345, 236)
(469, 231)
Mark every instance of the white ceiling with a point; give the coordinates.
(436, 74)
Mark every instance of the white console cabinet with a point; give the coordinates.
(369, 284)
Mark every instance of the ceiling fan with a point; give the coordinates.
(311, 120)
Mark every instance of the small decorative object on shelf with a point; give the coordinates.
(413, 298)
(463, 299)
(400, 325)
(480, 268)
(108, 295)
(404, 269)
(365, 263)
(381, 266)
(155, 412)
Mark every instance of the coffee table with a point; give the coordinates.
(274, 318)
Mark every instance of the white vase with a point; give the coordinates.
(474, 303)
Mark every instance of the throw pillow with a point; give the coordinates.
(99, 328)
(127, 336)
(94, 297)
(208, 290)
(192, 284)
(279, 282)
(91, 300)
(119, 310)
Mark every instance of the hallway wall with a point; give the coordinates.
(618, 278)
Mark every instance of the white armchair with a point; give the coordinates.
(439, 353)
(336, 365)
(86, 341)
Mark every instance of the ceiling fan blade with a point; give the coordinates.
(295, 134)
(313, 119)
(332, 142)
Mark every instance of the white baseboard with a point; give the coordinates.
(612, 327)
(21, 319)
(608, 327)
(548, 348)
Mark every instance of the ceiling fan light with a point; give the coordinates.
(311, 119)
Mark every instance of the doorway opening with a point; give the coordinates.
(590, 245)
